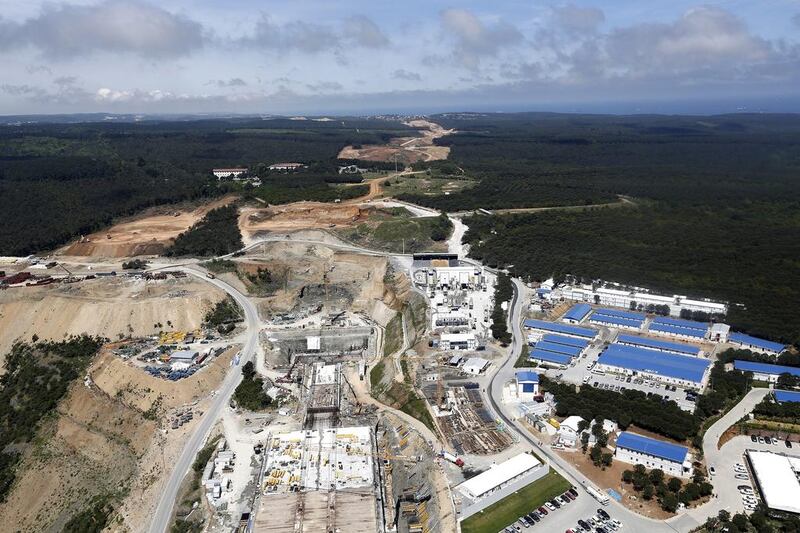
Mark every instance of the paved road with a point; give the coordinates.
(169, 493)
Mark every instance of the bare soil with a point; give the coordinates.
(299, 215)
(147, 234)
(405, 149)
(107, 307)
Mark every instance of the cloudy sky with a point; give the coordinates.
(323, 56)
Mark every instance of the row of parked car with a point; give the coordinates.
(748, 497)
(769, 440)
(529, 519)
(600, 523)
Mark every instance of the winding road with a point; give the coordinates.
(169, 494)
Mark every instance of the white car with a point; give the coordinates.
(550, 506)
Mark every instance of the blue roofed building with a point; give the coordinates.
(661, 346)
(576, 313)
(572, 351)
(765, 371)
(677, 327)
(791, 396)
(755, 344)
(547, 358)
(635, 449)
(617, 319)
(683, 370)
(560, 329)
(567, 341)
(527, 385)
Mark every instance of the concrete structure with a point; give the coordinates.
(777, 478)
(234, 173)
(568, 432)
(637, 449)
(527, 383)
(475, 365)
(679, 328)
(638, 299)
(764, 371)
(500, 480)
(614, 318)
(685, 371)
(560, 329)
(576, 313)
(755, 344)
(658, 345)
(313, 343)
(458, 341)
(719, 332)
(783, 396)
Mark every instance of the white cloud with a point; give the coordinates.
(364, 32)
(475, 39)
(578, 19)
(113, 26)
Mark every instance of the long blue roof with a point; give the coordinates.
(616, 320)
(656, 448)
(742, 338)
(787, 396)
(681, 323)
(661, 363)
(669, 328)
(659, 345)
(568, 341)
(572, 351)
(561, 328)
(619, 313)
(527, 376)
(578, 312)
(765, 368)
(552, 357)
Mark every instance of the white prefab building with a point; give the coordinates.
(313, 343)
(777, 478)
(458, 341)
(184, 356)
(286, 166)
(568, 430)
(500, 480)
(639, 299)
(475, 365)
(637, 449)
(221, 173)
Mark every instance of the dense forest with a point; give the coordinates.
(216, 234)
(58, 181)
(37, 376)
(746, 255)
(716, 203)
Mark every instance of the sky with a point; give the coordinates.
(368, 57)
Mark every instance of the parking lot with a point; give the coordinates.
(578, 514)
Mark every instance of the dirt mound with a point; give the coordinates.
(406, 150)
(300, 215)
(147, 234)
(107, 307)
(136, 388)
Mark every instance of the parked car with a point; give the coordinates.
(760, 440)
(712, 470)
(603, 514)
(573, 492)
(788, 444)
(742, 476)
(555, 503)
(542, 510)
(767, 440)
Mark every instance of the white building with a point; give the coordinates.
(527, 383)
(458, 341)
(777, 478)
(287, 166)
(568, 432)
(491, 485)
(313, 343)
(475, 365)
(234, 173)
(638, 299)
(637, 449)
(183, 356)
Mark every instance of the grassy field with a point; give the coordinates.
(398, 235)
(497, 516)
(431, 186)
